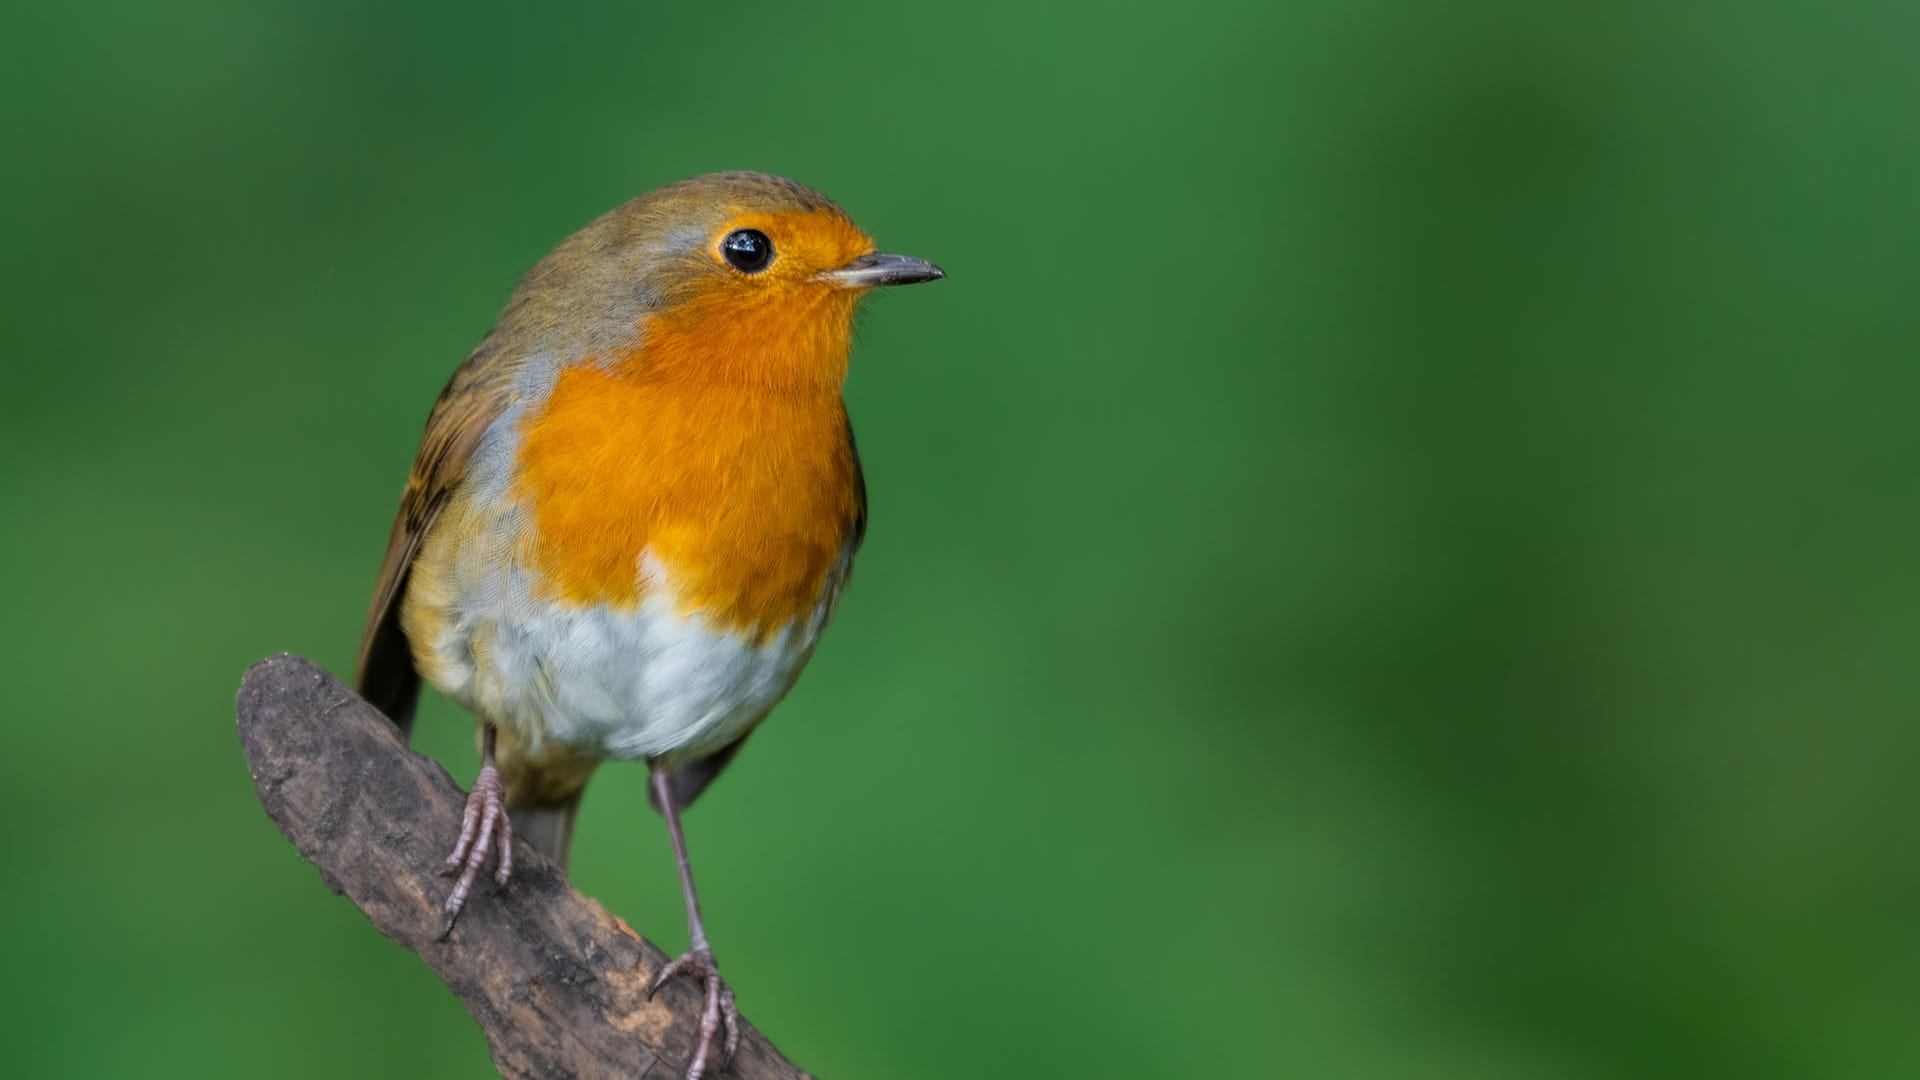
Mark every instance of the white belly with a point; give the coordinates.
(647, 682)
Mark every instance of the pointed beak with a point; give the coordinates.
(882, 269)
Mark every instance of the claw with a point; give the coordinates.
(667, 973)
(719, 1010)
(484, 829)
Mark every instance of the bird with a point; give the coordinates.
(631, 517)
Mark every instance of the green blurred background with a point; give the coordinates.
(1393, 552)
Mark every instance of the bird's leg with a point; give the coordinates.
(484, 827)
(697, 961)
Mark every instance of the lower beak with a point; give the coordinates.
(882, 269)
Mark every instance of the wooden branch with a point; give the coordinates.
(557, 983)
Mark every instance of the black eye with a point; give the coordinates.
(748, 250)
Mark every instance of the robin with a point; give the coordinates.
(632, 513)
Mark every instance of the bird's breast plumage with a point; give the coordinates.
(639, 562)
(744, 499)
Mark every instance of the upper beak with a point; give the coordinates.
(880, 268)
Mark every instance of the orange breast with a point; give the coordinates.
(743, 486)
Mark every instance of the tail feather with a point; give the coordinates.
(386, 676)
(689, 780)
(543, 790)
(547, 826)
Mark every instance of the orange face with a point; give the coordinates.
(763, 309)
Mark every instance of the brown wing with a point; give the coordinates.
(479, 391)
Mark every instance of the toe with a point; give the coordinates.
(666, 974)
(709, 1027)
(730, 1016)
(485, 830)
(505, 869)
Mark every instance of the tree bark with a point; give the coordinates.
(557, 984)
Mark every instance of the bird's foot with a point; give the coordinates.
(484, 828)
(720, 1011)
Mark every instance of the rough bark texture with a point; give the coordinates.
(557, 983)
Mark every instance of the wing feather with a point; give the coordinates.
(479, 391)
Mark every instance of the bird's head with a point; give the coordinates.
(734, 275)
